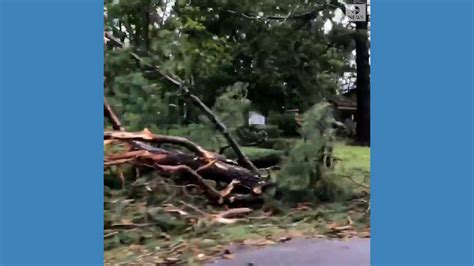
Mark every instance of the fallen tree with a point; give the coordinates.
(240, 176)
(197, 164)
(181, 86)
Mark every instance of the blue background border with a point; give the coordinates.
(422, 132)
(51, 132)
(51, 112)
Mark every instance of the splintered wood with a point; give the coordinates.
(197, 164)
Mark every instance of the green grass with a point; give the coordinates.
(354, 158)
(255, 153)
(354, 162)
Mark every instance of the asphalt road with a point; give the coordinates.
(301, 252)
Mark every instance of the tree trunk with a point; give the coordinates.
(363, 84)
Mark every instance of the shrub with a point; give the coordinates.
(285, 122)
(304, 176)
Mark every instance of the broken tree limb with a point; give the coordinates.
(226, 217)
(127, 157)
(147, 136)
(231, 213)
(210, 191)
(226, 192)
(218, 171)
(198, 166)
(206, 166)
(112, 117)
(242, 159)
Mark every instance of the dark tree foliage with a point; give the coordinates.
(279, 48)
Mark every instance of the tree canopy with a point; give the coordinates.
(281, 50)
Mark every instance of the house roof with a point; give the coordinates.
(342, 101)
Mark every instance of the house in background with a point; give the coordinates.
(256, 118)
(345, 105)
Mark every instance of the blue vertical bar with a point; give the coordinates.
(51, 190)
(422, 123)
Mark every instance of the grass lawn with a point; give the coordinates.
(255, 153)
(354, 157)
(355, 162)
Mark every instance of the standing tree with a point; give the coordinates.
(363, 81)
(359, 35)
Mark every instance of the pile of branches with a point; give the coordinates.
(241, 183)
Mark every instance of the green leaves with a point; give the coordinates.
(228, 58)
